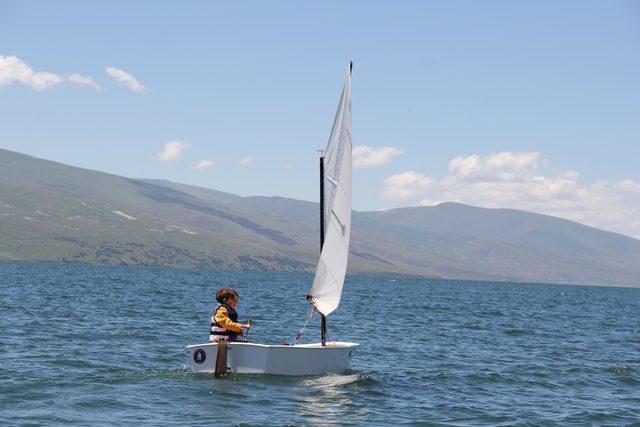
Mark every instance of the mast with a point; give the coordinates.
(323, 318)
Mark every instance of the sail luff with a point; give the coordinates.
(329, 278)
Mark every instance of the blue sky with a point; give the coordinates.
(528, 105)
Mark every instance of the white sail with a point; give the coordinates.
(332, 267)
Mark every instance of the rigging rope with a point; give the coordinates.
(310, 314)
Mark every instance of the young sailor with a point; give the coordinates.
(224, 318)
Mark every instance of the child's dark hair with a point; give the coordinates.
(226, 293)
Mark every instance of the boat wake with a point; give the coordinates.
(179, 373)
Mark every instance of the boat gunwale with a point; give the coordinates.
(335, 345)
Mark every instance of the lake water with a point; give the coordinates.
(103, 345)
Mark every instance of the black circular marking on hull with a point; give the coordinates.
(199, 356)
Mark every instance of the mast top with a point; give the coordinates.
(350, 66)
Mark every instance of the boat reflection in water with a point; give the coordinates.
(326, 397)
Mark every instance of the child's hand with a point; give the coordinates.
(246, 326)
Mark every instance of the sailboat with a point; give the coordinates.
(326, 290)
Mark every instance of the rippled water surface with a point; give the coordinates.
(105, 345)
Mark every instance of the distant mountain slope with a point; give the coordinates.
(523, 245)
(51, 211)
(282, 207)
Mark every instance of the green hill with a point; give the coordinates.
(54, 212)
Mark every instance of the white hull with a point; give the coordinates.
(250, 358)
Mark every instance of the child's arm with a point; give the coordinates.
(222, 319)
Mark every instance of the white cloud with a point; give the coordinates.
(406, 185)
(246, 161)
(203, 164)
(13, 69)
(524, 181)
(505, 166)
(172, 151)
(365, 156)
(84, 81)
(628, 186)
(126, 79)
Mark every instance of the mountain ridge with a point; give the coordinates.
(50, 211)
